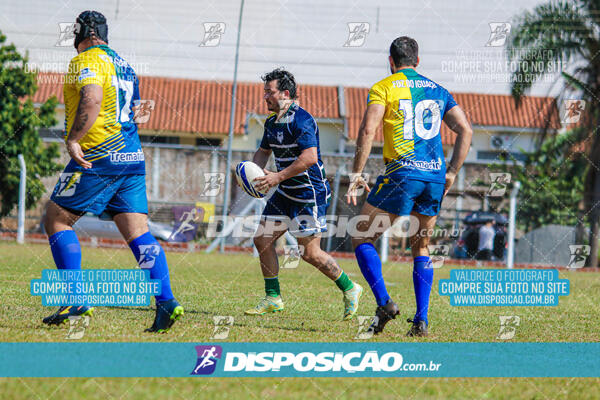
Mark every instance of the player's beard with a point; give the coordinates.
(271, 107)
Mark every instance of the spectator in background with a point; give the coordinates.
(500, 242)
(486, 241)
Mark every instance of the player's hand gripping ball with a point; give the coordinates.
(246, 172)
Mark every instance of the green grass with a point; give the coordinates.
(300, 388)
(217, 284)
(210, 285)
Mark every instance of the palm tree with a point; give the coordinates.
(566, 33)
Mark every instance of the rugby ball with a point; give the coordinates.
(246, 172)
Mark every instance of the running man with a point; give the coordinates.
(416, 179)
(106, 174)
(207, 361)
(300, 202)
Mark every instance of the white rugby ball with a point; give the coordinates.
(246, 172)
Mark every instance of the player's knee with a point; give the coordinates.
(55, 220)
(309, 258)
(49, 223)
(261, 243)
(357, 241)
(132, 233)
(312, 256)
(419, 248)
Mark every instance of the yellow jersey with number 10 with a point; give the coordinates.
(414, 109)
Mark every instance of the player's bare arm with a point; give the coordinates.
(307, 158)
(261, 157)
(456, 120)
(87, 112)
(368, 128)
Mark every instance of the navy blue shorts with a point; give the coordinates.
(401, 196)
(94, 193)
(302, 220)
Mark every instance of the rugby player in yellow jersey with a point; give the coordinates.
(412, 108)
(106, 174)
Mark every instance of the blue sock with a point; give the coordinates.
(370, 266)
(422, 280)
(150, 255)
(66, 250)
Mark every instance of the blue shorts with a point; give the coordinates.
(94, 193)
(401, 196)
(301, 220)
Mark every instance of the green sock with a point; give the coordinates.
(272, 286)
(344, 283)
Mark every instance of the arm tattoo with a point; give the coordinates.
(80, 120)
(82, 116)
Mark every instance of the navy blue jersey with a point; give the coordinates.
(296, 131)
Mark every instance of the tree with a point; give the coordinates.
(566, 33)
(19, 125)
(552, 183)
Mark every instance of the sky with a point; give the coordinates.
(310, 38)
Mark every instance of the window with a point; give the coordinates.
(208, 142)
(51, 133)
(159, 139)
(376, 149)
(501, 155)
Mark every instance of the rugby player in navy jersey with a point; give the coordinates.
(300, 202)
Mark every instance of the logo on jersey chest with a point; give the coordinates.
(279, 136)
(86, 73)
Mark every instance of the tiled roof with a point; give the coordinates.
(184, 105)
(49, 84)
(496, 110)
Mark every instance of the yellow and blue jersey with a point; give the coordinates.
(414, 109)
(112, 144)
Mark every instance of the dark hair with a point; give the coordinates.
(285, 80)
(91, 23)
(404, 51)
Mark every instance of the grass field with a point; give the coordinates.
(211, 285)
(216, 284)
(300, 388)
